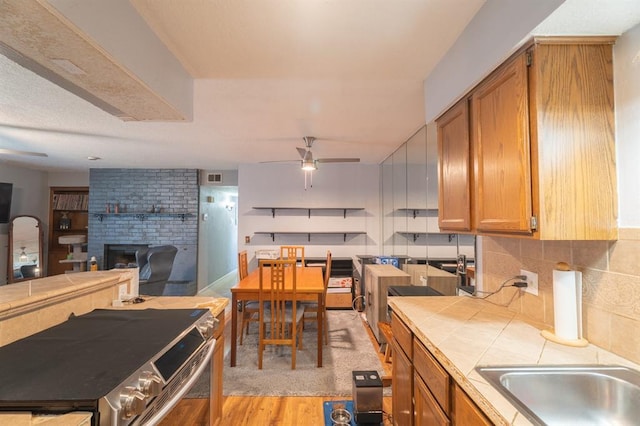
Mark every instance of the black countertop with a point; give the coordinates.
(412, 290)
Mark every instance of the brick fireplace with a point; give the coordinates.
(154, 207)
(120, 255)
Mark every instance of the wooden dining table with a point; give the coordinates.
(309, 287)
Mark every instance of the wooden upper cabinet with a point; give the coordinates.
(542, 145)
(454, 162)
(573, 138)
(502, 166)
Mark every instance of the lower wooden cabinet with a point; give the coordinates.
(465, 411)
(435, 377)
(401, 387)
(427, 411)
(423, 393)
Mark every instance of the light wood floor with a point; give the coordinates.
(243, 410)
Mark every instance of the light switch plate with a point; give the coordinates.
(532, 281)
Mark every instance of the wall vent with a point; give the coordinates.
(211, 178)
(214, 177)
(218, 177)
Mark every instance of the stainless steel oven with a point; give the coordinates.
(126, 367)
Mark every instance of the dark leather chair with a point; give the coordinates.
(28, 271)
(155, 265)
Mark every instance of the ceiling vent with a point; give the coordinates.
(36, 36)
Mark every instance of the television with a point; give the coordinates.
(5, 201)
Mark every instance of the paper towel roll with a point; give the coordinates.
(567, 304)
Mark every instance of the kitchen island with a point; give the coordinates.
(462, 333)
(31, 306)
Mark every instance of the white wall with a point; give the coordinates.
(496, 31)
(334, 185)
(69, 178)
(627, 97)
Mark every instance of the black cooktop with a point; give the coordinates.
(87, 356)
(412, 290)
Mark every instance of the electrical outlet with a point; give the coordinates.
(532, 281)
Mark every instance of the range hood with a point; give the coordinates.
(38, 37)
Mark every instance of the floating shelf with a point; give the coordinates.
(415, 235)
(142, 216)
(415, 211)
(308, 209)
(309, 234)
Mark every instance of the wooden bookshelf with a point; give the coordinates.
(71, 203)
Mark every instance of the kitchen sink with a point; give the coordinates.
(570, 395)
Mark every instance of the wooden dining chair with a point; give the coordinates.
(292, 253)
(279, 312)
(311, 309)
(249, 308)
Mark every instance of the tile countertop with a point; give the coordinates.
(462, 333)
(25, 294)
(215, 304)
(77, 418)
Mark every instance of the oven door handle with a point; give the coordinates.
(160, 414)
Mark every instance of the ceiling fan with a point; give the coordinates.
(308, 163)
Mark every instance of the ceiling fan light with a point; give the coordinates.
(307, 161)
(309, 164)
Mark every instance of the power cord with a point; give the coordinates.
(520, 284)
(353, 302)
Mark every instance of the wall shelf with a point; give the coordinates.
(415, 235)
(142, 216)
(309, 234)
(308, 209)
(416, 211)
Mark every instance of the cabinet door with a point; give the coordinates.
(501, 150)
(435, 377)
(466, 412)
(427, 412)
(454, 165)
(401, 387)
(572, 106)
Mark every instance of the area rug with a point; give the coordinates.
(349, 349)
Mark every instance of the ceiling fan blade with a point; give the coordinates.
(280, 161)
(338, 160)
(17, 152)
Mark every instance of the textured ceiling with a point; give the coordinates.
(302, 39)
(266, 73)
(36, 36)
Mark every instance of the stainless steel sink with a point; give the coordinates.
(570, 395)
